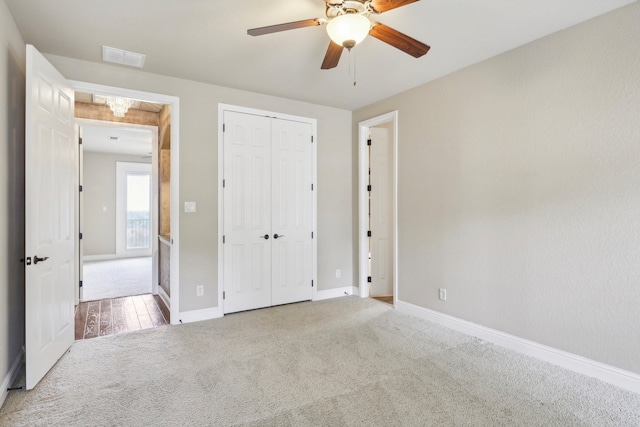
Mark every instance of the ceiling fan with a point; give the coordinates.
(348, 24)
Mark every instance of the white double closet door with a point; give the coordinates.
(268, 211)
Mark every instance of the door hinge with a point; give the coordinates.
(312, 283)
(224, 295)
(369, 279)
(224, 239)
(369, 233)
(224, 128)
(312, 234)
(368, 141)
(80, 283)
(368, 188)
(80, 141)
(311, 187)
(224, 183)
(80, 236)
(81, 188)
(312, 139)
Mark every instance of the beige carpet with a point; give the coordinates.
(341, 362)
(116, 278)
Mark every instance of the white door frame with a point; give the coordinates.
(314, 176)
(174, 102)
(363, 210)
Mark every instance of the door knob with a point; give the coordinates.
(37, 260)
(275, 236)
(265, 237)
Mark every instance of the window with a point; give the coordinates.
(138, 211)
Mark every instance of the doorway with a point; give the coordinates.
(377, 193)
(151, 141)
(117, 209)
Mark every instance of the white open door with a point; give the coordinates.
(50, 155)
(381, 213)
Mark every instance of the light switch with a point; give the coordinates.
(189, 206)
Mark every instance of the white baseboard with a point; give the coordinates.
(165, 298)
(610, 374)
(335, 293)
(10, 377)
(106, 257)
(197, 315)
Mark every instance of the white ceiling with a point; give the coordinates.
(117, 139)
(206, 40)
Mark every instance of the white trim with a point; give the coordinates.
(105, 257)
(197, 315)
(163, 295)
(573, 362)
(363, 171)
(314, 176)
(174, 102)
(335, 293)
(10, 377)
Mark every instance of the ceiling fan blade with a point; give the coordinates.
(383, 5)
(398, 40)
(284, 27)
(332, 57)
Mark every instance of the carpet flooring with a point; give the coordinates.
(116, 278)
(341, 362)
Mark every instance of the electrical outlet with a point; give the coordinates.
(443, 294)
(199, 290)
(338, 273)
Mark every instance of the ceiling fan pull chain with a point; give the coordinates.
(354, 67)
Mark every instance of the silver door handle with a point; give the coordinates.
(275, 236)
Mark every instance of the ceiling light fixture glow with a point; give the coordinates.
(118, 105)
(349, 29)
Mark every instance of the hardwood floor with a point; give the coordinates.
(388, 299)
(117, 315)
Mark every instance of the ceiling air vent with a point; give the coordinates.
(122, 57)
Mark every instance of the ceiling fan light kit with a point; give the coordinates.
(348, 24)
(348, 30)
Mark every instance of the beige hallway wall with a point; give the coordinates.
(99, 192)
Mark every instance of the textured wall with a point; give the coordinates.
(99, 190)
(519, 190)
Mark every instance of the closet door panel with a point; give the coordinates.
(247, 212)
(292, 214)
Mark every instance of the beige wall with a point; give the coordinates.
(519, 190)
(198, 171)
(12, 104)
(99, 191)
